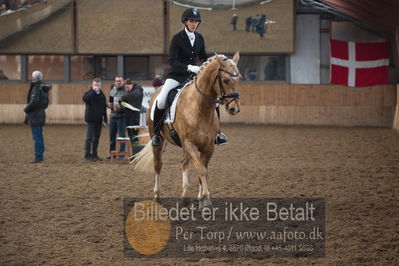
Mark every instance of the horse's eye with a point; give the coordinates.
(226, 81)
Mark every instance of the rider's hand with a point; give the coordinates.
(193, 69)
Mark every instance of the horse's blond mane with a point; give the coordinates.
(212, 58)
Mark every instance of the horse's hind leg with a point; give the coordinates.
(157, 151)
(184, 169)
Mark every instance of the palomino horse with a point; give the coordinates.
(196, 122)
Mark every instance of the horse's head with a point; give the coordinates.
(227, 80)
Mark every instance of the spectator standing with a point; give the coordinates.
(37, 102)
(95, 117)
(260, 26)
(117, 121)
(234, 21)
(133, 96)
(254, 22)
(248, 22)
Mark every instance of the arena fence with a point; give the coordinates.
(281, 104)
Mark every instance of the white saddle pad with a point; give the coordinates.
(171, 112)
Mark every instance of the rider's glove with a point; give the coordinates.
(193, 69)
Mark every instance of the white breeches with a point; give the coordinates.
(167, 87)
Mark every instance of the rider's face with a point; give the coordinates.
(192, 24)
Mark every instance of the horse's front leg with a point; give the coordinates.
(157, 151)
(199, 190)
(204, 158)
(184, 169)
(201, 166)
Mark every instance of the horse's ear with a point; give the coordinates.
(236, 57)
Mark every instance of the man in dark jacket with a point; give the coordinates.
(134, 97)
(260, 26)
(95, 116)
(117, 121)
(234, 21)
(37, 102)
(248, 22)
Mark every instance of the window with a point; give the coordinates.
(136, 67)
(89, 67)
(159, 65)
(82, 68)
(266, 68)
(10, 67)
(51, 66)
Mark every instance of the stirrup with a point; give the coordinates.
(156, 141)
(221, 139)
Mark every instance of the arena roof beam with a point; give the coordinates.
(393, 3)
(382, 12)
(377, 9)
(379, 15)
(319, 4)
(358, 11)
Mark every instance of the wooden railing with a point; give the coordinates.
(284, 104)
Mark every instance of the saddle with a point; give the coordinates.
(171, 102)
(171, 96)
(168, 114)
(170, 110)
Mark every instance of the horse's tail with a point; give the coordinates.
(143, 161)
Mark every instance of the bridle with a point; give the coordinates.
(224, 95)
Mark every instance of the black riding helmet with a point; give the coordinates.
(191, 13)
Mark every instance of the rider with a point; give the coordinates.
(185, 47)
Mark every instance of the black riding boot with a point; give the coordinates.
(158, 123)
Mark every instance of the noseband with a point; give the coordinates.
(224, 95)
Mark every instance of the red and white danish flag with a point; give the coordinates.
(359, 64)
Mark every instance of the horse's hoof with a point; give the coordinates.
(204, 203)
(184, 201)
(157, 200)
(207, 203)
(200, 203)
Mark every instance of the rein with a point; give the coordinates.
(224, 96)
